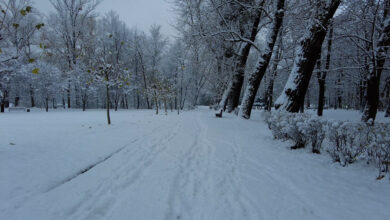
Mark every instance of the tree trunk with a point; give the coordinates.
(165, 106)
(127, 103)
(4, 101)
(108, 104)
(76, 96)
(222, 104)
(322, 75)
(256, 77)
(234, 91)
(17, 98)
(156, 107)
(321, 96)
(373, 81)
(388, 109)
(309, 50)
(68, 94)
(84, 100)
(47, 104)
(32, 97)
(273, 73)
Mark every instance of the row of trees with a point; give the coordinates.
(344, 43)
(227, 52)
(76, 58)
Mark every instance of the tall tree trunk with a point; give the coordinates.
(373, 81)
(387, 114)
(222, 104)
(156, 104)
(76, 96)
(273, 73)
(108, 104)
(68, 94)
(165, 106)
(32, 100)
(256, 77)
(4, 101)
(84, 101)
(47, 104)
(322, 75)
(127, 102)
(17, 98)
(309, 50)
(234, 91)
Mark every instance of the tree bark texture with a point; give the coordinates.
(308, 52)
(256, 77)
(373, 81)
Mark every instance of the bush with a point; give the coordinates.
(299, 128)
(314, 130)
(347, 141)
(379, 149)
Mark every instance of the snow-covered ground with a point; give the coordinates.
(71, 165)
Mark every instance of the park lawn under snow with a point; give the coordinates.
(71, 165)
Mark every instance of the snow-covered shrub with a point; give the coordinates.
(277, 122)
(296, 130)
(348, 141)
(379, 148)
(299, 128)
(314, 130)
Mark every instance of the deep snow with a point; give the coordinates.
(71, 165)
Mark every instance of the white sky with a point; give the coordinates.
(135, 13)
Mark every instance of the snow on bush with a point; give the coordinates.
(379, 149)
(299, 128)
(347, 142)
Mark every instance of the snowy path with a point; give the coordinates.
(191, 166)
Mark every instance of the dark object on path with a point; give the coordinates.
(219, 115)
(28, 110)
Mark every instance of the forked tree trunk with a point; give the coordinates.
(256, 77)
(234, 90)
(308, 52)
(322, 75)
(270, 86)
(373, 81)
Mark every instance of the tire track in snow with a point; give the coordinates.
(98, 202)
(231, 190)
(275, 177)
(88, 168)
(191, 188)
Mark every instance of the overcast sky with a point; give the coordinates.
(135, 13)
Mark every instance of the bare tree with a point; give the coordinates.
(307, 53)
